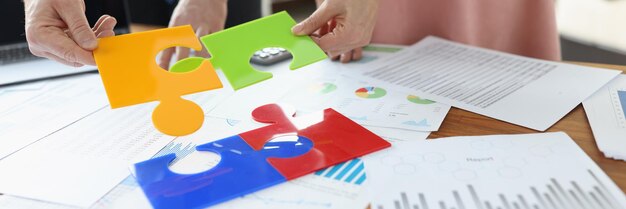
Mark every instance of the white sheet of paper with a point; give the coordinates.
(127, 194)
(382, 108)
(208, 100)
(393, 135)
(239, 105)
(29, 112)
(320, 192)
(519, 90)
(325, 189)
(543, 171)
(606, 111)
(329, 84)
(37, 69)
(82, 162)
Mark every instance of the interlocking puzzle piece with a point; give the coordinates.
(335, 138)
(241, 170)
(232, 48)
(131, 76)
(250, 161)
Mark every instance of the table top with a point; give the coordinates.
(463, 123)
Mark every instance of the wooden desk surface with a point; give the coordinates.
(463, 123)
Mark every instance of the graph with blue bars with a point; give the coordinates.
(622, 99)
(181, 150)
(352, 172)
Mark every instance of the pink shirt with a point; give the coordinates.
(524, 27)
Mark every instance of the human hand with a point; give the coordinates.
(341, 27)
(205, 16)
(58, 30)
(352, 55)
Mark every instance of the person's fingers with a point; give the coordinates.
(105, 27)
(319, 18)
(202, 53)
(65, 48)
(323, 30)
(357, 54)
(332, 25)
(346, 57)
(104, 34)
(338, 42)
(99, 22)
(329, 44)
(166, 57)
(182, 53)
(74, 17)
(62, 61)
(202, 31)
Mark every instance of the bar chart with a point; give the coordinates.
(528, 171)
(552, 195)
(618, 99)
(350, 172)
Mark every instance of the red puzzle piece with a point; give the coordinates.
(335, 138)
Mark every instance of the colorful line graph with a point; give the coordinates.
(352, 171)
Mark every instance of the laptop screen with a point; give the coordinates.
(12, 14)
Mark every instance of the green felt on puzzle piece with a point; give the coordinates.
(232, 48)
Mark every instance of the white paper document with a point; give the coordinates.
(519, 90)
(606, 111)
(37, 69)
(367, 104)
(342, 186)
(530, 171)
(313, 191)
(29, 112)
(329, 84)
(82, 162)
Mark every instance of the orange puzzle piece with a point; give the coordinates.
(131, 76)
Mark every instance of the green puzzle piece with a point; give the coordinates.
(232, 48)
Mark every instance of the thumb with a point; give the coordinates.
(319, 18)
(74, 17)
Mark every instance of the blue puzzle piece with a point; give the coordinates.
(242, 170)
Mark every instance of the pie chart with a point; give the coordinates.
(322, 88)
(370, 92)
(418, 100)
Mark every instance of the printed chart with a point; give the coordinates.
(367, 104)
(531, 171)
(370, 92)
(552, 194)
(606, 111)
(322, 88)
(350, 172)
(419, 100)
(618, 99)
(375, 106)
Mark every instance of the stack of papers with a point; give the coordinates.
(30, 112)
(606, 111)
(97, 151)
(501, 171)
(83, 158)
(524, 91)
